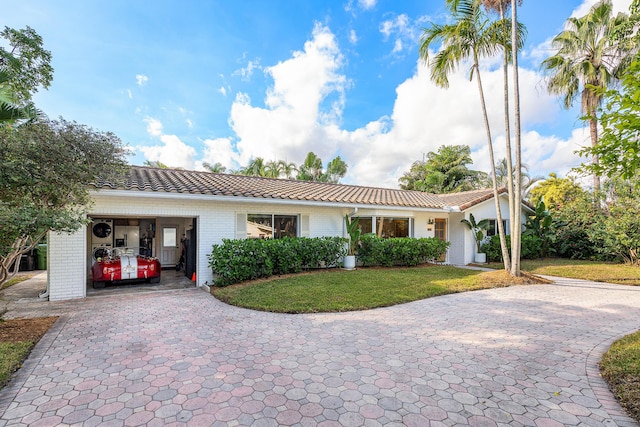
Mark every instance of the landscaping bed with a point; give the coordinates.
(620, 367)
(17, 339)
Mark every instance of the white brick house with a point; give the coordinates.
(157, 208)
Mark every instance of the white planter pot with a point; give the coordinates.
(349, 262)
(480, 258)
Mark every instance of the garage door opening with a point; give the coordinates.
(143, 253)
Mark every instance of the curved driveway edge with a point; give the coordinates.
(518, 356)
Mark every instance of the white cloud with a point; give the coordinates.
(129, 94)
(290, 125)
(404, 33)
(246, 72)
(222, 90)
(221, 150)
(367, 4)
(173, 152)
(303, 109)
(141, 79)
(154, 126)
(618, 6)
(353, 37)
(189, 123)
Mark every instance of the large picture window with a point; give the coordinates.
(392, 227)
(267, 226)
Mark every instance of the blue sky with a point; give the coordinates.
(184, 82)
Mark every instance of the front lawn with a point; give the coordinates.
(365, 288)
(620, 366)
(575, 269)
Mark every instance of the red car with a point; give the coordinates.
(125, 268)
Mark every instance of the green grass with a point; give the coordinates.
(588, 270)
(361, 289)
(16, 280)
(11, 357)
(620, 366)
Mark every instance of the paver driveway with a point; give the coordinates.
(511, 356)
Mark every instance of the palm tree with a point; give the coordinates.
(10, 111)
(587, 61)
(470, 35)
(526, 180)
(288, 168)
(272, 169)
(215, 168)
(311, 169)
(254, 168)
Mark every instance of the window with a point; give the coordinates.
(267, 226)
(392, 227)
(366, 224)
(493, 229)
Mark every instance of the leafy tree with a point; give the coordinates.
(215, 168)
(587, 61)
(556, 192)
(540, 225)
(45, 169)
(471, 35)
(444, 172)
(26, 62)
(618, 149)
(336, 169)
(619, 231)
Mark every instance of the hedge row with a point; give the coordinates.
(235, 261)
(405, 251)
(531, 248)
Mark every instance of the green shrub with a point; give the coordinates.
(405, 251)
(235, 261)
(531, 247)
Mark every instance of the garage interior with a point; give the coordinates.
(172, 240)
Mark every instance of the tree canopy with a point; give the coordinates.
(556, 192)
(45, 169)
(618, 149)
(26, 62)
(444, 171)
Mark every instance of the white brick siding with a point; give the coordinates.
(67, 274)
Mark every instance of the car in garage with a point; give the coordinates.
(115, 267)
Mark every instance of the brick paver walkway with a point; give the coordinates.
(513, 356)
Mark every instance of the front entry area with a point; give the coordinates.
(140, 253)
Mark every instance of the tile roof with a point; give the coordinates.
(149, 179)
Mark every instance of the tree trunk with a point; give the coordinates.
(516, 240)
(503, 240)
(593, 130)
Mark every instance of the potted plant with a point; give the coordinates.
(477, 229)
(354, 231)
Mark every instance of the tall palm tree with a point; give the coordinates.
(471, 35)
(254, 168)
(272, 169)
(215, 168)
(287, 168)
(587, 61)
(311, 169)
